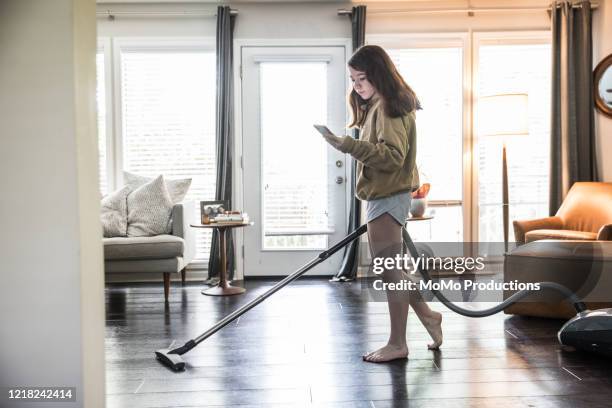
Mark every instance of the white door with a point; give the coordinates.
(294, 183)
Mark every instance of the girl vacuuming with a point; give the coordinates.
(383, 108)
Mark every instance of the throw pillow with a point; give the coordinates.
(177, 188)
(149, 209)
(113, 214)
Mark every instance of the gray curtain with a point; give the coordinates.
(224, 134)
(350, 260)
(572, 130)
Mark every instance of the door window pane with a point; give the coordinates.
(295, 198)
(506, 69)
(168, 106)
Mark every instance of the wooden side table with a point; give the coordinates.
(223, 288)
(423, 218)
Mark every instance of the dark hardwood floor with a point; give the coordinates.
(303, 347)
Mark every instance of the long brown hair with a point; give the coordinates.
(398, 99)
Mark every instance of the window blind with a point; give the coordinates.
(168, 121)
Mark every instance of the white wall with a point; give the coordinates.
(52, 294)
(379, 22)
(320, 19)
(122, 26)
(280, 21)
(602, 46)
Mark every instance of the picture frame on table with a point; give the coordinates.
(210, 209)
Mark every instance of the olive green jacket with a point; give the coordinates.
(385, 154)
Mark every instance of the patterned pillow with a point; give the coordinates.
(113, 214)
(177, 188)
(149, 209)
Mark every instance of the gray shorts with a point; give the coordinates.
(398, 206)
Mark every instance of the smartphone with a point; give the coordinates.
(324, 130)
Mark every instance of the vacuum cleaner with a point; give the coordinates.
(588, 330)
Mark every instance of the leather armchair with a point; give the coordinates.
(585, 215)
(584, 267)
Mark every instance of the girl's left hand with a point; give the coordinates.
(334, 141)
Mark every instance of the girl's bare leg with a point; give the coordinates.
(430, 319)
(384, 235)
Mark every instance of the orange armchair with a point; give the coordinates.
(586, 215)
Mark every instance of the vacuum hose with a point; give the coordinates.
(576, 302)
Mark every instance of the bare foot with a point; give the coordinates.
(433, 324)
(387, 353)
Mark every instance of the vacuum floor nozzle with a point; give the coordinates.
(174, 361)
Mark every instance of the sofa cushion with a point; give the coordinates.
(536, 235)
(157, 247)
(176, 188)
(171, 265)
(149, 210)
(113, 213)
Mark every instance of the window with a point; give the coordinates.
(166, 102)
(436, 76)
(464, 170)
(514, 68)
(168, 120)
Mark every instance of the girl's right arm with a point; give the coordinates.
(390, 150)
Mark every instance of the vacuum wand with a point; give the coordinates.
(172, 358)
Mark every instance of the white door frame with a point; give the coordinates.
(237, 170)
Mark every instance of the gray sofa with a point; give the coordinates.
(165, 254)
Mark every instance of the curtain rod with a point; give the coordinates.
(469, 10)
(110, 14)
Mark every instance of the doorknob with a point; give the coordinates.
(339, 180)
